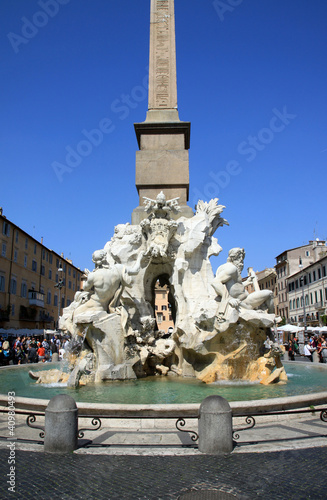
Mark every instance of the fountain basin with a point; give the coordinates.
(304, 379)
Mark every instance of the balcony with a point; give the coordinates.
(319, 305)
(35, 298)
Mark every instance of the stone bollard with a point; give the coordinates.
(61, 425)
(215, 426)
(315, 357)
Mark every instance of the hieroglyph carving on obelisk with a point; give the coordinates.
(162, 70)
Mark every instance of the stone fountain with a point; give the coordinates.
(221, 332)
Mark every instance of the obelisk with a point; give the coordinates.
(162, 162)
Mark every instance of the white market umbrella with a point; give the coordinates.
(289, 328)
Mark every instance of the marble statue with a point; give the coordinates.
(229, 286)
(220, 329)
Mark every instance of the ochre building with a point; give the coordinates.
(35, 283)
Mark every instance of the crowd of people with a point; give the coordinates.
(316, 344)
(21, 350)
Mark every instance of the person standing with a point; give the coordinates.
(308, 350)
(32, 354)
(291, 350)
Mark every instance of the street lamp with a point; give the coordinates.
(59, 285)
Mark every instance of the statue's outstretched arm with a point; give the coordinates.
(132, 271)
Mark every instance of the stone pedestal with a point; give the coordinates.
(215, 426)
(162, 164)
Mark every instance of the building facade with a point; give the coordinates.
(163, 311)
(35, 283)
(287, 264)
(307, 294)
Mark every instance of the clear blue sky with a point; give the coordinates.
(238, 69)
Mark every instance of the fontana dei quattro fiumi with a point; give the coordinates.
(221, 332)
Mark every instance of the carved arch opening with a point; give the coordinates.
(157, 281)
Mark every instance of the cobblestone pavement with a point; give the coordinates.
(294, 474)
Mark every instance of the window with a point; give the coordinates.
(164, 308)
(307, 300)
(26, 243)
(47, 257)
(34, 265)
(68, 302)
(25, 260)
(300, 261)
(307, 253)
(324, 271)
(297, 303)
(13, 286)
(293, 303)
(23, 289)
(4, 249)
(6, 229)
(290, 305)
(316, 297)
(57, 263)
(16, 237)
(159, 318)
(296, 284)
(63, 302)
(69, 285)
(311, 299)
(43, 254)
(49, 297)
(3, 283)
(42, 270)
(55, 300)
(50, 258)
(13, 309)
(15, 255)
(74, 273)
(319, 273)
(314, 276)
(69, 271)
(50, 274)
(74, 287)
(57, 278)
(34, 248)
